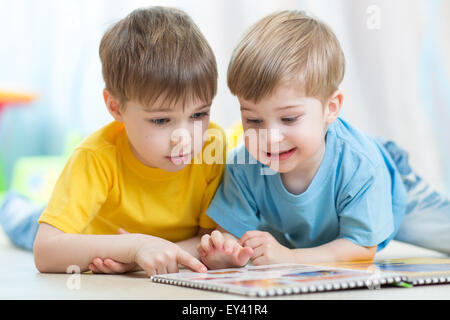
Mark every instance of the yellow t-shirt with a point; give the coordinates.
(235, 135)
(104, 187)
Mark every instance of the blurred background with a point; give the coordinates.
(397, 82)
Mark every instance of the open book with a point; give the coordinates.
(418, 271)
(279, 279)
(282, 279)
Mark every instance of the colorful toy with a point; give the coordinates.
(35, 177)
(10, 99)
(2, 180)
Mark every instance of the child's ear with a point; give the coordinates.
(333, 107)
(113, 105)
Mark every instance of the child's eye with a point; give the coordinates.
(290, 119)
(254, 121)
(199, 115)
(160, 121)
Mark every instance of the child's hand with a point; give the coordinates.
(158, 256)
(111, 266)
(266, 248)
(218, 252)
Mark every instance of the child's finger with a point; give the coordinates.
(249, 235)
(94, 269)
(121, 231)
(253, 242)
(149, 269)
(118, 267)
(244, 255)
(229, 245)
(200, 250)
(161, 268)
(101, 266)
(258, 252)
(259, 261)
(172, 267)
(205, 242)
(217, 239)
(189, 261)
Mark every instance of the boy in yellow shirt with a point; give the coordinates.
(154, 170)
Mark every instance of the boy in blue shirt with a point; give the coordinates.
(308, 186)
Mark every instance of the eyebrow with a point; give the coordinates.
(289, 107)
(162, 109)
(277, 109)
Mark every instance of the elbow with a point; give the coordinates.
(353, 252)
(41, 267)
(42, 258)
(371, 252)
(364, 254)
(38, 261)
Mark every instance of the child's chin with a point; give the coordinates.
(281, 167)
(175, 167)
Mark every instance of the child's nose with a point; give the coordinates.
(180, 136)
(274, 136)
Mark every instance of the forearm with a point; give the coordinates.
(337, 250)
(55, 253)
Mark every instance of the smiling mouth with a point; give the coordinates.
(283, 155)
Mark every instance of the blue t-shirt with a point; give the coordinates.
(356, 194)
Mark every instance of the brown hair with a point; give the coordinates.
(154, 52)
(283, 47)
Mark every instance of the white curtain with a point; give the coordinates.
(396, 83)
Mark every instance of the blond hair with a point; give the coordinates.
(285, 47)
(155, 52)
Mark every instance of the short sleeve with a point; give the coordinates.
(79, 193)
(233, 206)
(365, 208)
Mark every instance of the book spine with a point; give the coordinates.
(195, 285)
(368, 283)
(430, 280)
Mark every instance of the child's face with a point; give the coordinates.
(295, 127)
(164, 138)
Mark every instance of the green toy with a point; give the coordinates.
(35, 177)
(2, 181)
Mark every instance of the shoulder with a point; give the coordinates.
(359, 158)
(356, 145)
(101, 146)
(105, 137)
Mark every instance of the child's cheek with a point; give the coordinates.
(256, 150)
